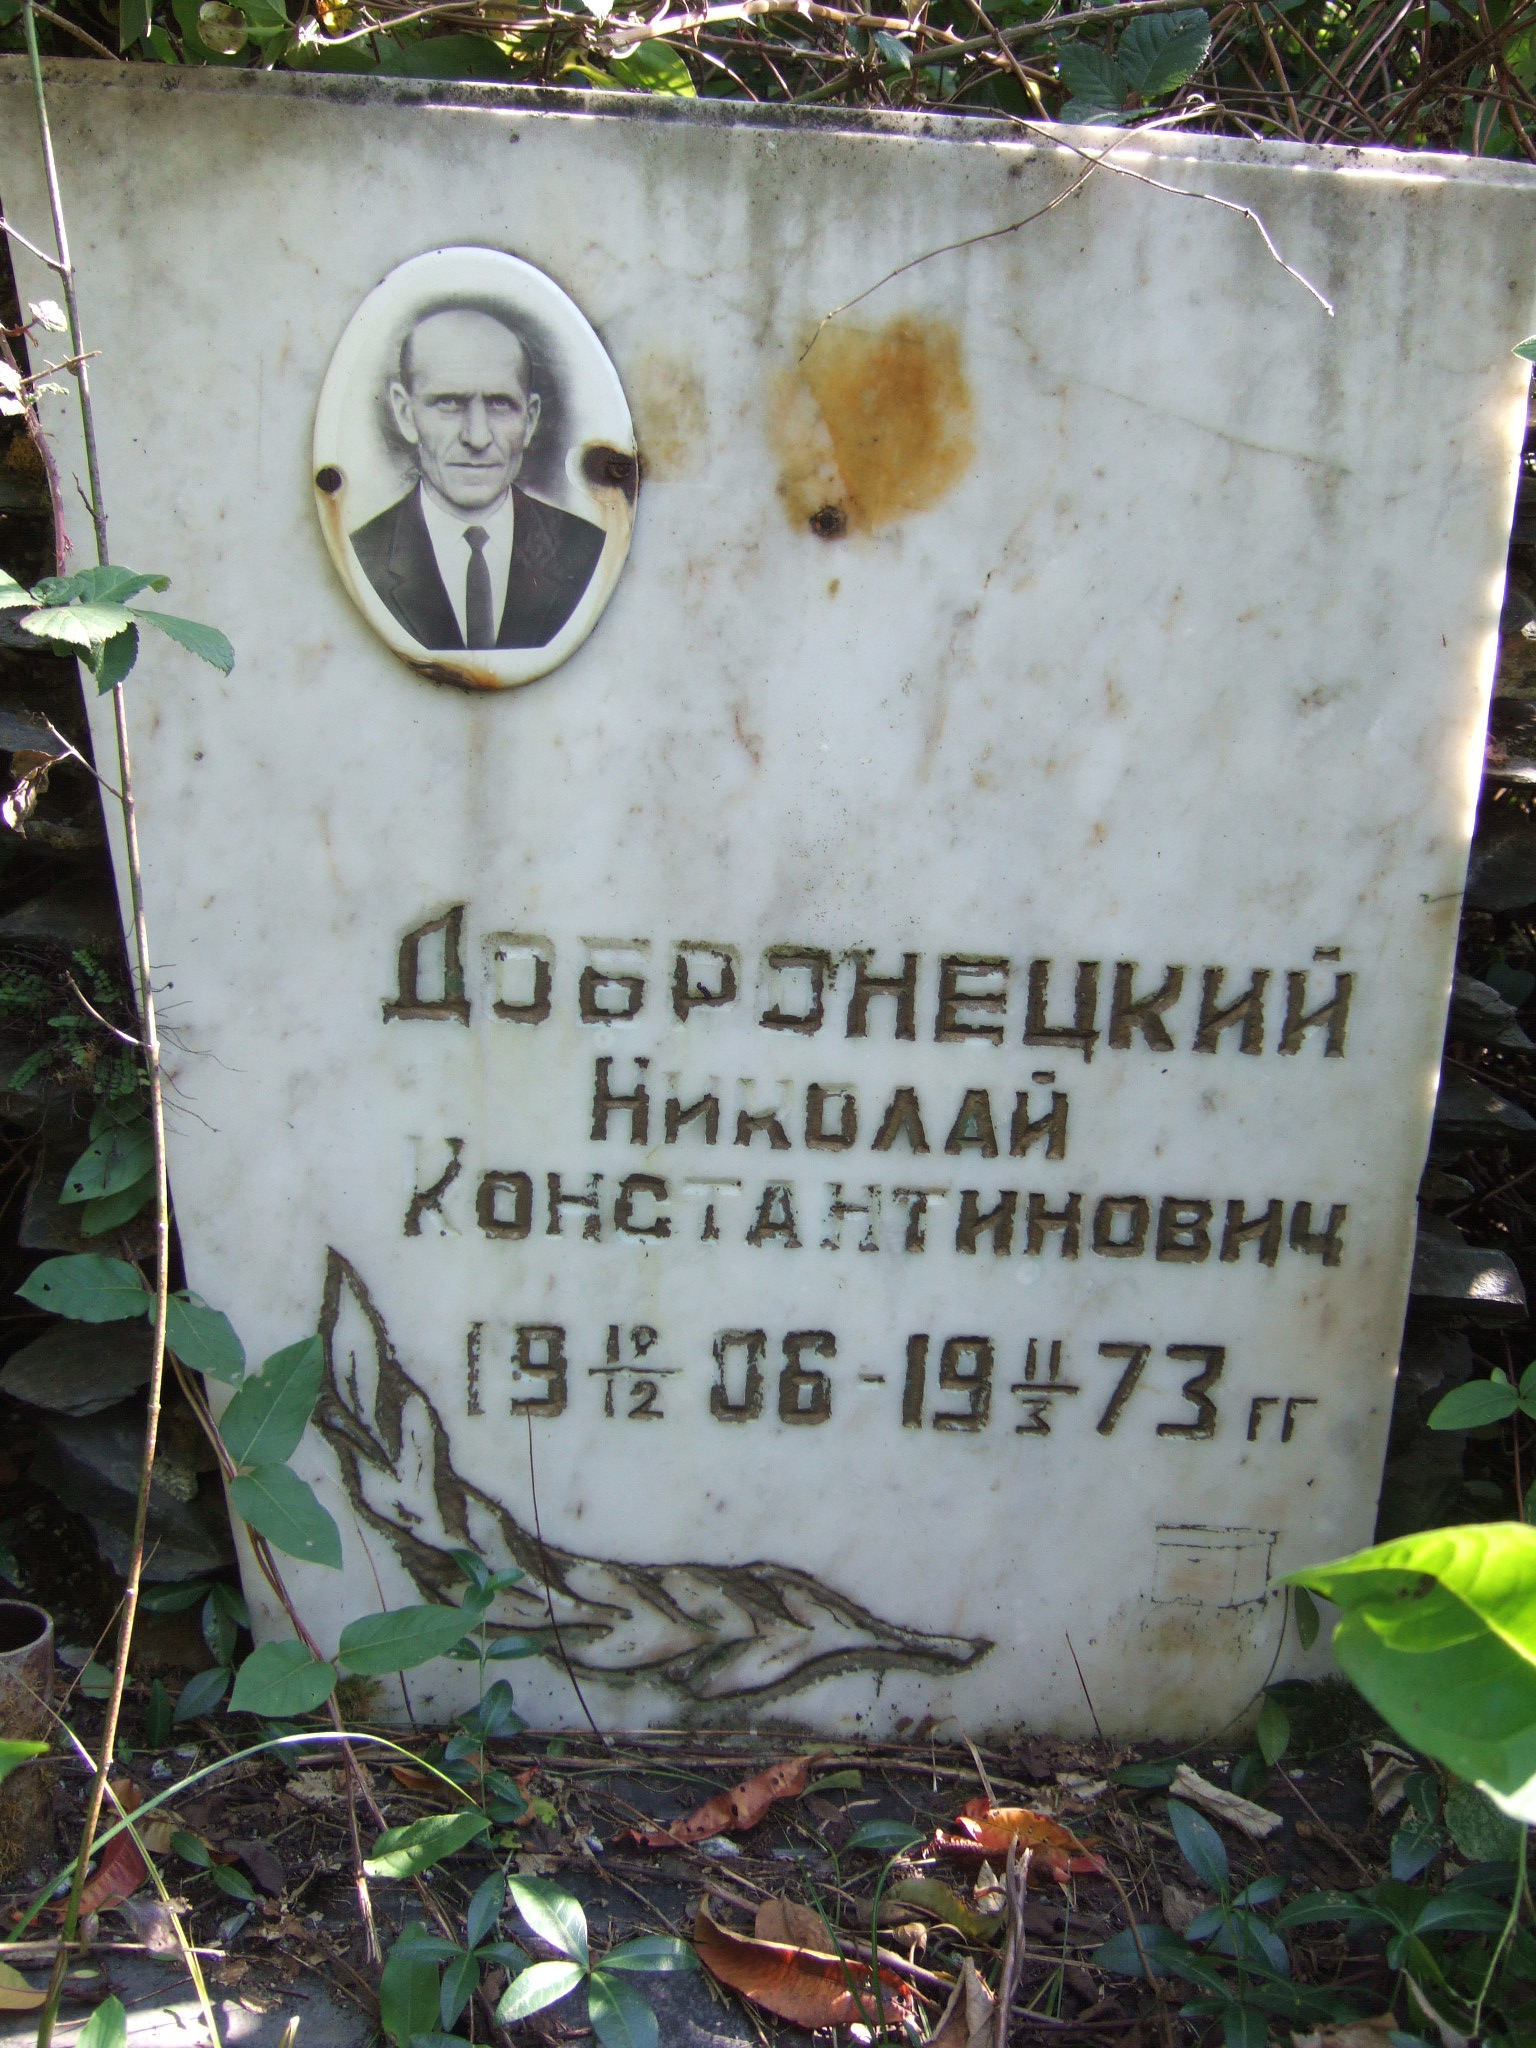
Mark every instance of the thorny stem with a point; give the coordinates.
(149, 1044)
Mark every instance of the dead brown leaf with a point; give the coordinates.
(798, 1926)
(809, 1989)
(985, 1831)
(968, 2020)
(1358, 2034)
(731, 1812)
(122, 1869)
(16, 1994)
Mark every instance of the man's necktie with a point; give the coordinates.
(479, 621)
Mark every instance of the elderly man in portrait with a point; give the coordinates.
(465, 559)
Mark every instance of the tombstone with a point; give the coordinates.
(815, 926)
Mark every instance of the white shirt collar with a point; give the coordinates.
(446, 532)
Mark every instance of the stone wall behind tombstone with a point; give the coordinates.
(1466, 1294)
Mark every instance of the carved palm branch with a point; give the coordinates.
(709, 1631)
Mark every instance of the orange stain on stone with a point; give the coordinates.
(874, 426)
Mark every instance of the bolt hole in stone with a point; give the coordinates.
(22, 1626)
(328, 480)
(611, 469)
(831, 522)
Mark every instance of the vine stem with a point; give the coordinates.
(1516, 1901)
(149, 1041)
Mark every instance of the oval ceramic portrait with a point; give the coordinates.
(474, 468)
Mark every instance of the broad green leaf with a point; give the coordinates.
(14, 1751)
(1415, 1846)
(107, 2027)
(15, 596)
(1092, 76)
(893, 50)
(651, 1952)
(78, 625)
(175, 1599)
(459, 1981)
(620, 2016)
(506, 1649)
(400, 1639)
(234, 1882)
(837, 1781)
(99, 584)
(1439, 1633)
(1481, 1833)
(1148, 1777)
(407, 1994)
(113, 660)
(1167, 1954)
(282, 1507)
(1202, 1848)
(88, 1288)
(1274, 1730)
(1475, 1405)
(263, 1423)
(1161, 52)
(404, 1852)
(281, 1679)
(485, 1909)
(110, 1212)
(431, 1948)
(653, 66)
(552, 1914)
(540, 1985)
(204, 1339)
(201, 1695)
(206, 642)
(157, 1717)
(1308, 1620)
(96, 1681)
(1243, 2026)
(132, 21)
(1526, 348)
(122, 1154)
(884, 1837)
(190, 1849)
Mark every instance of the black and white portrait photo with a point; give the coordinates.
(475, 468)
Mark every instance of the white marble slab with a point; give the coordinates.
(1086, 595)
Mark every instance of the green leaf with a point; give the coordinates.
(190, 1849)
(235, 1882)
(892, 49)
(280, 1679)
(96, 1681)
(653, 66)
(1415, 1846)
(15, 596)
(1439, 1633)
(838, 1781)
(1092, 76)
(224, 1615)
(282, 1507)
(201, 1695)
(407, 1994)
(400, 1639)
(1308, 1620)
(404, 1852)
(15, 1751)
(1156, 1776)
(504, 1649)
(107, 2027)
(110, 1212)
(1475, 1405)
(1167, 1954)
(87, 1288)
(1242, 2026)
(78, 625)
(123, 1154)
(175, 1599)
(157, 1717)
(540, 1985)
(484, 1909)
(552, 1914)
(1526, 348)
(1161, 52)
(263, 1423)
(1274, 1730)
(1202, 1848)
(884, 1837)
(1481, 1833)
(651, 1952)
(620, 2017)
(113, 660)
(100, 583)
(204, 1339)
(132, 21)
(459, 1981)
(206, 642)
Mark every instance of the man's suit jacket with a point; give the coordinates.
(553, 556)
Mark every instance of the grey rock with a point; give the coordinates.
(1502, 872)
(1482, 1016)
(73, 916)
(1469, 1113)
(1450, 1274)
(80, 1368)
(91, 1462)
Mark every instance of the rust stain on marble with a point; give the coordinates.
(873, 425)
